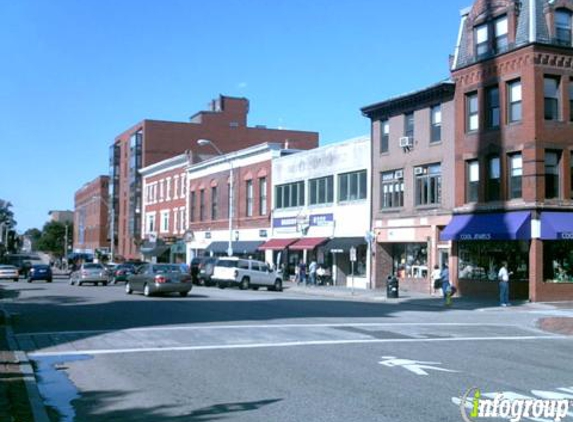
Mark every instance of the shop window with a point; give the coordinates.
(552, 159)
(428, 183)
(492, 107)
(436, 123)
(472, 177)
(558, 261)
(515, 176)
(321, 191)
(514, 101)
(392, 189)
(352, 186)
(493, 179)
(384, 136)
(482, 260)
(551, 97)
(472, 112)
(563, 27)
(410, 260)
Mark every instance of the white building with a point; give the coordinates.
(321, 210)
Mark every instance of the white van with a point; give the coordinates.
(245, 273)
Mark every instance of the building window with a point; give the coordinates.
(515, 175)
(472, 177)
(551, 97)
(289, 195)
(481, 35)
(514, 101)
(249, 192)
(150, 223)
(352, 186)
(164, 222)
(493, 179)
(563, 27)
(321, 191)
(214, 203)
(500, 29)
(410, 260)
(409, 125)
(392, 189)
(202, 205)
(552, 160)
(161, 190)
(492, 107)
(192, 206)
(183, 185)
(176, 187)
(472, 112)
(571, 100)
(168, 189)
(436, 123)
(428, 182)
(384, 135)
(175, 220)
(262, 196)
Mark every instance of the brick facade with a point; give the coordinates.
(91, 216)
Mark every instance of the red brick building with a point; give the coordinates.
(513, 69)
(151, 141)
(91, 216)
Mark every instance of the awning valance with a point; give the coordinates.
(239, 247)
(307, 243)
(343, 244)
(496, 226)
(277, 244)
(556, 225)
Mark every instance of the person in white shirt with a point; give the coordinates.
(436, 280)
(503, 276)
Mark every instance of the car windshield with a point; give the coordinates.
(93, 267)
(227, 263)
(41, 267)
(166, 269)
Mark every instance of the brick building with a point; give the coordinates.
(91, 216)
(151, 141)
(513, 69)
(412, 183)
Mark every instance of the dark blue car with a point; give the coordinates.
(40, 272)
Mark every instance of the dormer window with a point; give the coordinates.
(492, 37)
(563, 27)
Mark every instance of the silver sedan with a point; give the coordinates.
(8, 272)
(159, 278)
(90, 273)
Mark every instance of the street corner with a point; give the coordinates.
(557, 325)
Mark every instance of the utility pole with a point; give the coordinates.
(66, 243)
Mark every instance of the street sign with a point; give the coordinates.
(353, 254)
(415, 366)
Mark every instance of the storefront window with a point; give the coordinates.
(410, 260)
(482, 260)
(558, 261)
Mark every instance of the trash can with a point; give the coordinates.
(392, 287)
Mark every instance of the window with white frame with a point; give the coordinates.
(182, 222)
(472, 112)
(392, 189)
(183, 180)
(176, 187)
(150, 223)
(168, 188)
(164, 222)
(262, 196)
(175, 220)
(162, 190)
(514, 100)
(321, 190)
(428, 183)
(436, 123)
(289, 195)
(249, 190)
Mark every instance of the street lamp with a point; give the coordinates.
(204, 142)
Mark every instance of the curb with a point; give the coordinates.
(35, 399)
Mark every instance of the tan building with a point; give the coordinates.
(61, 216)
(91, 217)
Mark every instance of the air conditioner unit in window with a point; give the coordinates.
(406, 142)
(418, 170)
(399, 174)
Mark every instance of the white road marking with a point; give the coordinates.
(286, 344)
(415, 366)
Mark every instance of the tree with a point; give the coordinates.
(7, 224)
(34, 235)
(53, 238)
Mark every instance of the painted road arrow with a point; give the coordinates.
(415, 366)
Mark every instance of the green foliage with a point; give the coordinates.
(52, 239)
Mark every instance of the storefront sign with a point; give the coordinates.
(321, 219)
(476, 236)
(284, 222)
(565, 235)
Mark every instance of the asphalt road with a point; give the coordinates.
(269, 356)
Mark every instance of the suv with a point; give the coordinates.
(245, 273)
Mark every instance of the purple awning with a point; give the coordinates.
(497, 226)
(556, 225)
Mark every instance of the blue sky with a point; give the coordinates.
(76, 73)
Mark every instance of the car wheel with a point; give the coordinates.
(244, 284)
(105, 283)
(16, 280)
(183, 294)
(128, 288)
(278, 287)
(146, 290)
(29, 280)
(221, 286)
(72, 282)
(80, 283)
(49, 280)
(255, 288)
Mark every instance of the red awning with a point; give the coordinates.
(307, 243)
(277, 244)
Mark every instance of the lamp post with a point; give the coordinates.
(204, 142)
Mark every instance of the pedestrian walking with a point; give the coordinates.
(503, 276)
(302, 272)
(312, 272)
(436, 280)
(446, 287)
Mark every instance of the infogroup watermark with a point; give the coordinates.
(513, 409)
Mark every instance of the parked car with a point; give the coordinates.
(90, 273)
(245, 273)
(9, 272)
(40, 272)
(121, 272)
(206, 267)
(159, 278)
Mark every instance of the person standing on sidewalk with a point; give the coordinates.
(503, 277)
(302, 272)
(446, 288)
(312, 272)
(436, 280)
